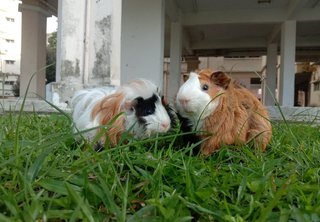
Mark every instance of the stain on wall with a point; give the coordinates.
(102, 47)
(70, 68)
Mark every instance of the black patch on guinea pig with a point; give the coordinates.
(186, 127)
(145, 107)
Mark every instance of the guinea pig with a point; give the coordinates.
(224, 112)
(135, 107)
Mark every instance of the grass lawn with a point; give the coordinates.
(46, 176)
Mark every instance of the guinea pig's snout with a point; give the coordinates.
(164, 127)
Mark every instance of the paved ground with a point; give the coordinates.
(308, 114)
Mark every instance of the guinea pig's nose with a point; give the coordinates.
(183, 101)
(165, 126)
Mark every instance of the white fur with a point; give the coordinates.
(84, 101)
(140, 87)
(82, 104)
(155, 121)
(200, 104)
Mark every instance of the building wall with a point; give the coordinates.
(10, 44)
(243, 70)
(245, 64)
(10, 36)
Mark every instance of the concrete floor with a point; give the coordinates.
(305, 114)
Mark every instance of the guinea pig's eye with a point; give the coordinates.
(205, 87)
(147, 112)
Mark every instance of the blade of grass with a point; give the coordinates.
(37, 164)
(79, 200)
(266, 211)
(16, 145)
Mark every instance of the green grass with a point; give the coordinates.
(46, 176)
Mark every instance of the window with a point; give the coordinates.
(9, 82)
(9, 19)
(254, 81)
(10, 40)
(316, 86)
(10, 62)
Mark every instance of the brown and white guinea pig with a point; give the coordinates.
(139, 101)
(228, 112)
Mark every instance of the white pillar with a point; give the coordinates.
(33, 49)
(142, 40)
(59, 42)
(271, 75)
(115, 58)
(84, 46)
(175, 60)
(71, 41)
(71, 51)
(287, 67)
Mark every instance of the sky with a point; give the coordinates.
(52, 23)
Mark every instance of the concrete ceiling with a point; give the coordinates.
(243, 27)
(50, 5)
(238, 27)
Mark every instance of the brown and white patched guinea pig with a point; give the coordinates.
(227, 112)
(135, 107)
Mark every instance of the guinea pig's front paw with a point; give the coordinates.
(205, 151)
(208, 150)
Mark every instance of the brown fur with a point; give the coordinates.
(106, 110)
(239, 118)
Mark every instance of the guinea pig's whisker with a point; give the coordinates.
(202, 112)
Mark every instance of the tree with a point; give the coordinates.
(51, 57)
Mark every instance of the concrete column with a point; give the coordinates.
(71, 51)
(84, 46)
(71, 41)
(59, 42)
(287, 67)
(271, 75)
(115, 58)
(175, 61)
(33, 49)
(142, 40)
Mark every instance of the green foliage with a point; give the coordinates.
(51, 57)
(52, 177)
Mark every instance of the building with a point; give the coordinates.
(247, 71)
(113, 41)
(10, 45)
(302, 84)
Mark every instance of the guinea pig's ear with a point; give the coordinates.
(221, 79)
